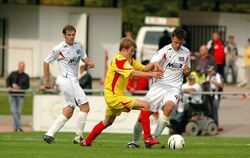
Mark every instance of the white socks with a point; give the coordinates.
(163, 122)
(61, 120)
(80, 122)
(58, 124)
(137, 132)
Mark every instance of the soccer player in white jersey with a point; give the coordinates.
(68, 55)
(164, 92)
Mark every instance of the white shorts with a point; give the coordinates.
(157, 96)
(72, 93)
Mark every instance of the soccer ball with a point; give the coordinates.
(176, 141)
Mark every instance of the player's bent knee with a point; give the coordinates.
(68, 115)
(84, 107)
(147, 107)
(108, 124)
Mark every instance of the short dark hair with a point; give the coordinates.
(145, 62)
(179, 33)
(69, 28)
(126, 43)
(165, 32)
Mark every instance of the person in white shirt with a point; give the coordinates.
(189, 87)
(216, 84)
(68, 55)
(164, 93)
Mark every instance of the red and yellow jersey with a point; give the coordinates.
(118, 74)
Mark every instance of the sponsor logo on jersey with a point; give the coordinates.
(174, 65)
(74, 61)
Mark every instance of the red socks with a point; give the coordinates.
(95, 132)
(145, 123)
(100, 127)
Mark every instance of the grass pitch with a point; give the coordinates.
(30, 145)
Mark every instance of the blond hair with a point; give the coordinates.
(127, 43)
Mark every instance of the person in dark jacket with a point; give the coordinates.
(17, 82)
(204, 59)
(85, 79)
(164, 40)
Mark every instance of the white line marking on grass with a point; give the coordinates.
(113, 141)
(57, 139)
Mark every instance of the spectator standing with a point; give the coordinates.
(215, 83)
(164, 40)
(16, 82)
(247, 64)
(85, 79)
(129, 34)
(204, 59)
(68, 55)
(231, 58)
(216, 48)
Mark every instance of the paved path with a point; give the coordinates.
(234, 114)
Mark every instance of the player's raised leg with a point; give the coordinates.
(165, 119)
(97, 130)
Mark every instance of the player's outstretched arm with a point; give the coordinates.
(148, 67)
(153, 67)
(146, 74)
(157, 67)
(88, 62)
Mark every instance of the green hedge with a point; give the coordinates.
(5, 108)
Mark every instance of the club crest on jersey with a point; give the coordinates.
(78, 51)
(181, 58)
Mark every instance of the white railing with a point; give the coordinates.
(29, 92)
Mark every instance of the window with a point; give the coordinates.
(152, 37)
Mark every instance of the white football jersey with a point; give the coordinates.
(68, 58)
(173, 63)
